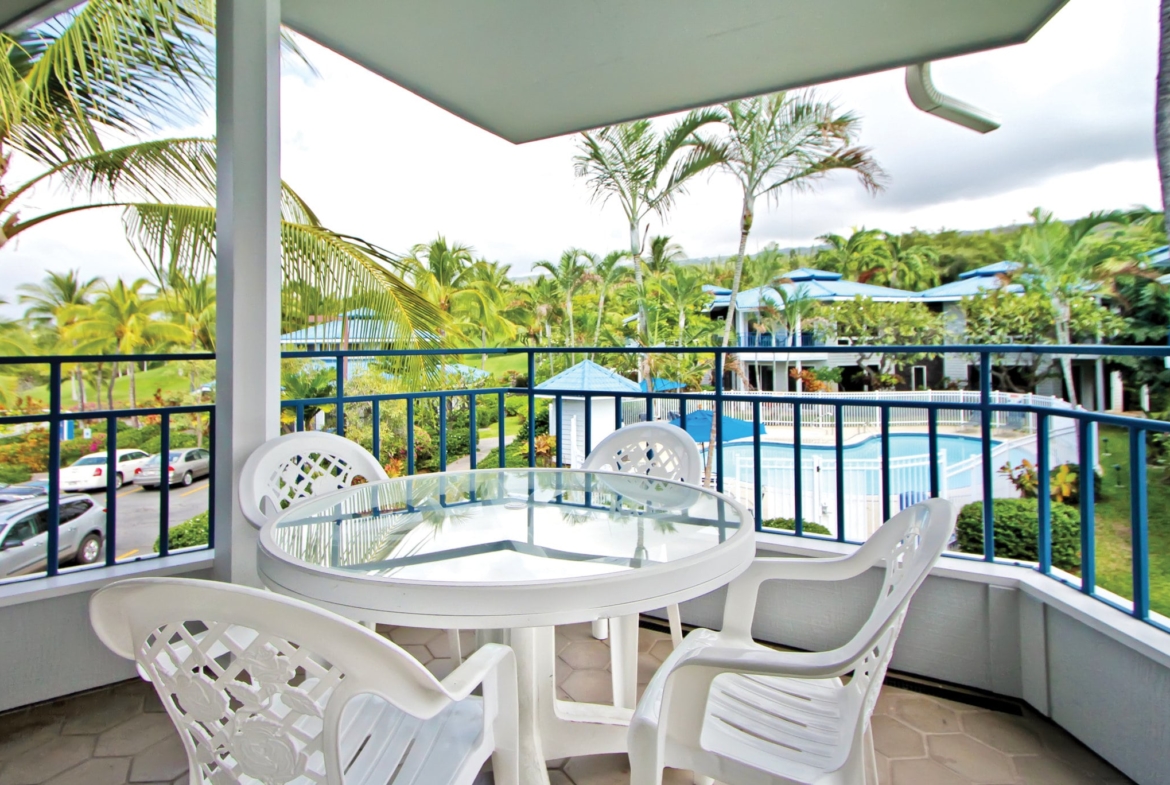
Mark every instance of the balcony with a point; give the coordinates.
(120, 734)
(1023, 646)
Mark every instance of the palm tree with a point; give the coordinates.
(784, 141)
(609, 272)
(664, 253)
(683, 289)
(124, 316)
(860, 257)
(50, 304)
(913, 267)
(191, 304)
(1056, 260)
(570, 274)
(645, 172)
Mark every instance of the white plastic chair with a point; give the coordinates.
(730, 709)
(267, 689)
(654, 450)
(299, 465)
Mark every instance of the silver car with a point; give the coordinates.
(24, 534)
(184, 467)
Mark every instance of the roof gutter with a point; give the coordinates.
(927, 98)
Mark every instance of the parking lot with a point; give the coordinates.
(138, 515)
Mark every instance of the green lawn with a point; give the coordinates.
(498, 364)
(146, 383)
(511, 428)
(1114, 551)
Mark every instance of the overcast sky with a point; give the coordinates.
(1077, 106)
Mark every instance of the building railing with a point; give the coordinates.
(809, 490)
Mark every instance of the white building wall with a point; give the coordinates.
(570, 431)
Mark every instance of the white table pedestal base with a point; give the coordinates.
(549, 728)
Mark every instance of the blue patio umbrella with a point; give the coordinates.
(699, 426)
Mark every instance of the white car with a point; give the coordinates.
(24, 534)
(88, 473)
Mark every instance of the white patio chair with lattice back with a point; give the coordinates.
(656, 450)
(731, 709)
(268, 689)
(297, 466)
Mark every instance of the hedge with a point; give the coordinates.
(1017, 531)
(789, 524)
(188, 533)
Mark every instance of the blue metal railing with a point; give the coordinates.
(631, 405)
(56, 416)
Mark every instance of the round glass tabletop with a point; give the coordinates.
(505, 526)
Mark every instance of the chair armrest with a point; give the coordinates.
(461, 681)
(760, 662)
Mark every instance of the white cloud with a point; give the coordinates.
(377, 161)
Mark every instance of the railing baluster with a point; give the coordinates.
(442, 433)
(838, 416)
(53, 540)
(376, 412)
(757, 469)
(502, 411)
(1139, 523)
(932, 449)
(797, 470)
(300, 407)
(531, 408)
(1088, 512)
(341, 368)
(164, 486)
(1043, 496)
(617, 413)
(111, 491)
(985, 436)
(473, 435)
(588, 428)
(410, 436)
(560, 412)
(717, 445)
(211, 480)
(886, 488)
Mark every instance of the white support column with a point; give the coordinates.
(248, 263)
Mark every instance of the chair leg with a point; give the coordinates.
(456, 649)
(623, 659)
(601, 629)
(675, 617)
(869, 758)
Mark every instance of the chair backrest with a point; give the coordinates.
(298, 465)
(912, 542)
(255, 682)
(658, 450)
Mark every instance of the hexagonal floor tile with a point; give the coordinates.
(661, 649)
(599, 770)
(101, 711)
(647, 667)
(441, 646)
(161, 762)
(581, 655)
(577, 632)
(1046, 770)
(441, 668)
(95, 771)
(418, 651)
(970, 758)
(415, 635)
(895, 739)
(48, 760)
(923, 771)
(1002, 732)
(33, 732)
(134, 735)
(591, 686)
(926, 715)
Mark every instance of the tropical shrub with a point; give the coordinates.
(190, 532)
(789, 524)
(1017, 531)
(12, 475)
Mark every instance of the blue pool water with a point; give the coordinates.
(902, 445)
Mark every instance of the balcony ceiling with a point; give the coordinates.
(530, 69)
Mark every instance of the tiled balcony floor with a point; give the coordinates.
(121, 734)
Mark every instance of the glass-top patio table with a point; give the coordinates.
(515, 552)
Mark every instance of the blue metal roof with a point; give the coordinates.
(970, 287)
(588, 376)
(990, 270)
(824, 290)
(810, 274)
(1159, 257)
(364, 326)
(662, 385)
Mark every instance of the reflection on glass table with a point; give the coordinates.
(512, 526)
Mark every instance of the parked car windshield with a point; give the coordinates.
(90, 460)
(175, 455)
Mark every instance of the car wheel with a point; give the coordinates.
(187, 478)
(90, 548)
(118, 480)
